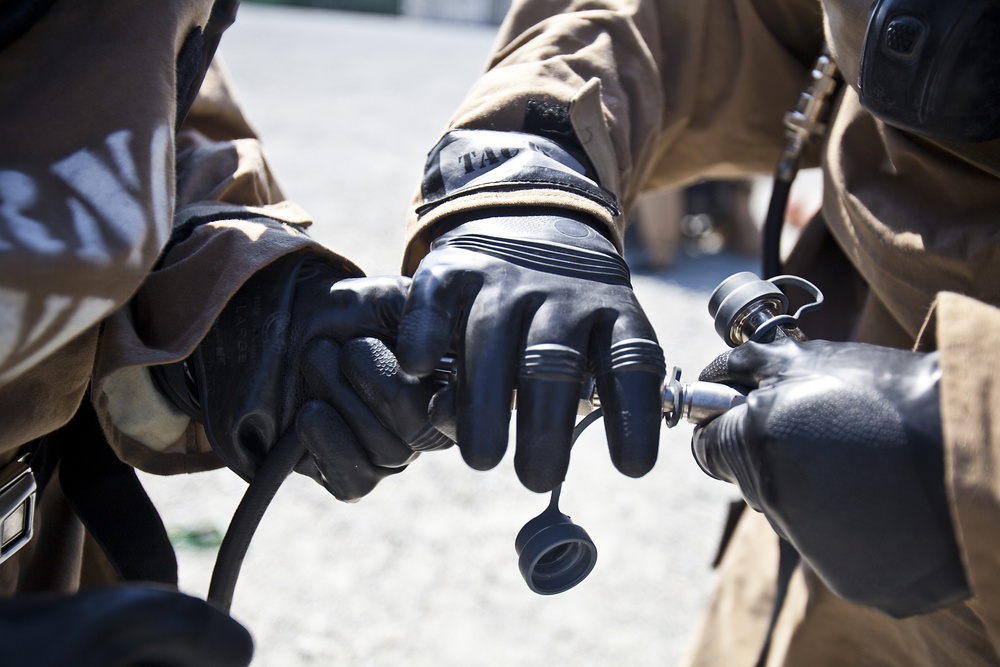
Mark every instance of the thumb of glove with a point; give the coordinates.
(720, 448)
(399, 400)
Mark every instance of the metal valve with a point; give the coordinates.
(745, 308)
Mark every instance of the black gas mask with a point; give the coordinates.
(933, 67)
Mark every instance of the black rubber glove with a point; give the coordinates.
(124, 626)
(840, 446)
(536, 300)
(273, 360)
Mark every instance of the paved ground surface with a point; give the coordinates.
(423, 571)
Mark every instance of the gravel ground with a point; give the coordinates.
(423, 571)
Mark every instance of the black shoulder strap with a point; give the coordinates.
(197, 52)
(788, 560)
(109, 499)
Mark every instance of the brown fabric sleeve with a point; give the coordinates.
(968, 337)
(86, 126)
(86, 184)
(231, 220)
(660, 93)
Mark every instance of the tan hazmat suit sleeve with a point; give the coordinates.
(968, 337)
(86, 190)
(659, 93)
(95, 182)
(231, 220)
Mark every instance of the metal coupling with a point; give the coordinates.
(806, 120)
(696, 402)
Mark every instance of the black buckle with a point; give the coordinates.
(18, 493)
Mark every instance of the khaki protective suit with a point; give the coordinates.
(664, 92)
(94, 183)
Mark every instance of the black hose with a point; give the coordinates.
(279, 464)
(773, 224)
(578, 430)
(269, 477)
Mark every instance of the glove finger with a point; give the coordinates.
(433, 312)
(347, 472)
(549, 383)
(352, 308)
(322, 371)
(629, 378)
(485, 385)
(400, 401)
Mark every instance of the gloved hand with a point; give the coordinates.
(840, 446)
(274, 360)
(124, 626)
(534, 300)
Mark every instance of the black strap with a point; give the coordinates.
(788, 560)
(109, 499)
(196, 55)
(736, 508)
